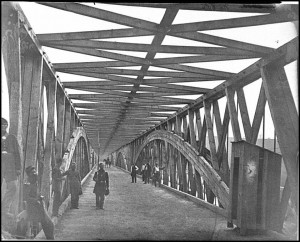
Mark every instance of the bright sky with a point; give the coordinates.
(49, 20)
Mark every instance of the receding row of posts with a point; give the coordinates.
(35, 90)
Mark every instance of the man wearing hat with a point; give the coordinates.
(56, 186)
(102, 185)
(10, 165)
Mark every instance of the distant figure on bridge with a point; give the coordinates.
(109, 163)
(134, 170)
(143, 171)
(10, 167)
(102, 185)
(75, 185)
(56, 186)
(106, 163)
(156, 174)
(148, 173)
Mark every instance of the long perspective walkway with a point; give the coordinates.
(138, 211)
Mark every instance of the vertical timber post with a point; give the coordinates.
(10, 46)
(286, 121)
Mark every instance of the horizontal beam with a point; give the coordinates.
(282, 17)
(98, 34)
(225, 7)
(122, 46)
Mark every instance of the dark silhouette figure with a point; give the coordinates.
(75, 185)
(134, 170)
(10, 166)
(148, 173)
(56, 186)
(102, 185)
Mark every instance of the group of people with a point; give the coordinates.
(107, 163)
(35, 209)
(147, 172)
(101, 187)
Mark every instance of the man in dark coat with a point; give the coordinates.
(134, 170)
(75, 185)
(10, 166)
(148, 172)
(102, 184)
(56, 186)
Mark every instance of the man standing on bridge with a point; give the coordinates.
(148, 173)
(134, 170)
(56, 186)
(102, 185)
(10, 166)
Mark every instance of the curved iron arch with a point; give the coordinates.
(210, 176)
(77, 135)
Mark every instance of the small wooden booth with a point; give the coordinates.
(255, 187)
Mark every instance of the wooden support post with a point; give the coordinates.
(185, 128)
(259, 112)
(233, 114)
(41, 157)
(192, 128)
(177, 162)
(183, 159)
(27, 68)
(67, 124)
(199, 127)
(183, 173)
(82, 158)
(172, 167)
(72, 121)
(166, 162)
(222, 131)
(211, 138)
(50, 140)
(199, 185)
(198, 147)
(244, 113)
(192, 179)
(284, 202)
(286, 121)
(34, 112)
(60, 107)
(170, 159)
(10, 27)
(202, 138)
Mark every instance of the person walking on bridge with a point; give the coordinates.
(102, 185)
(75, 185)
(134, 170)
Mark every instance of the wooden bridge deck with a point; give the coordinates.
(137, 211)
